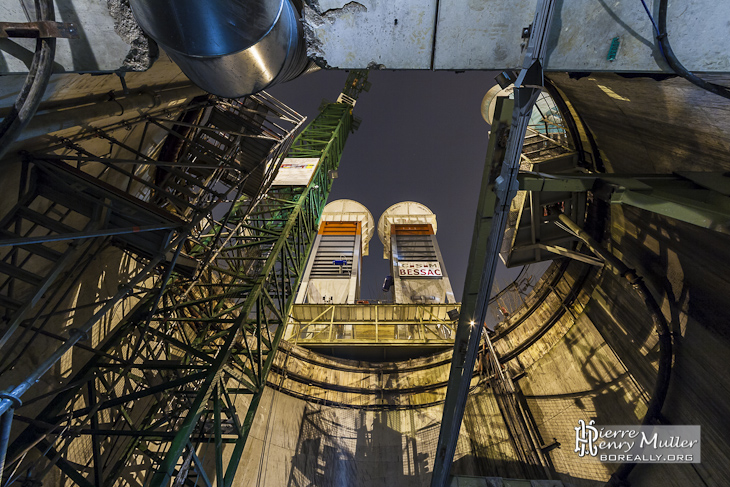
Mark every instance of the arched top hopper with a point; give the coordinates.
(488, 104)
(402, 213)
(545, 112)
(351, 211)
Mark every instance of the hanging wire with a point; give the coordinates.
(668, 54)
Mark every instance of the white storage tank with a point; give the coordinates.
(408, 232)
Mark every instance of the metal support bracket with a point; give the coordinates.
(571, 254)
(697, 198)
(39, 30)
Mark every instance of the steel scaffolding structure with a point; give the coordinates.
(170, 392)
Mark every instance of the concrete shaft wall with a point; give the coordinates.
(584, 340)
(599, 360)
(331, 422)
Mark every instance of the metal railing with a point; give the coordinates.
(372, 324)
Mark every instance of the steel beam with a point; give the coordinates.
(698, 198)
(494, 206)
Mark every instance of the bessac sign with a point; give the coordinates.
(419, 269)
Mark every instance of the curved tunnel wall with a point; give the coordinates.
(327, 421)
(334, 422)
(604, 366)
(582, 347)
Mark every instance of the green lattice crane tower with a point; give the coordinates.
(171, 393)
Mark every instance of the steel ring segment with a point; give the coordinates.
(231, 49)
(15, 400)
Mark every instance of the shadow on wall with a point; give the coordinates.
(603, 376)
(73, 301)
(605, 367)
(354, 448)
(646, 125)
(687, 268)
(579, 379)
(366, 453)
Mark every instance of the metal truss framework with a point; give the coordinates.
(171, 392)
(83, 194)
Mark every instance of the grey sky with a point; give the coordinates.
(422, 138)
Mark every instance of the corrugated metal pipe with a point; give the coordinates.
(229, 48)
(654, 408)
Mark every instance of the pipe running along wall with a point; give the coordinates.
(231, 48)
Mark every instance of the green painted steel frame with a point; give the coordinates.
(166, 383)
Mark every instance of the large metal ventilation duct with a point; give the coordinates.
(229, 48)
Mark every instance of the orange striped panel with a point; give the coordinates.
(340, 228)
(411, 229)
